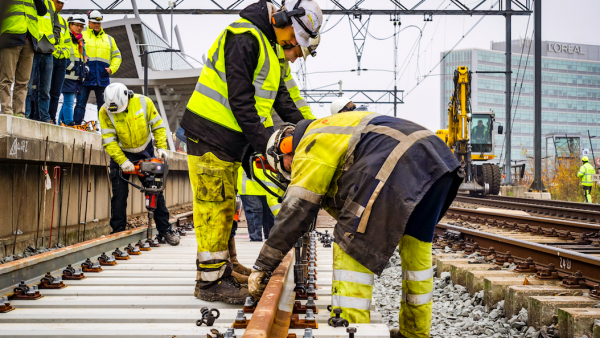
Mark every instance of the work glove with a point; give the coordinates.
(127, 167)
(163, 154)
(256, 287)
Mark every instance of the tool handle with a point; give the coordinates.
(56, 179)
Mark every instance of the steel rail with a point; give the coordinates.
(565, 261)
(548, 223)
(557, 211)
(272, 317)
(551, 203)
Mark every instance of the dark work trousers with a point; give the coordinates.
(258, 215)
(82, 99)
(56, 84)
(120, 191)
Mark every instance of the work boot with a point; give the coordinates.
(395, 333)
(237, 267)
(225, 289)
(171, 238)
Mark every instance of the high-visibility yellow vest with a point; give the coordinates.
(46, 22)
(585, 172)
(210, 100)
(292, 87)
(64, 46)
(132, 129)
(247, 186)
(21, 17)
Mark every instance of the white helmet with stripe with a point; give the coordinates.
(116, 97)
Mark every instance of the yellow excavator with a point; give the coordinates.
(471, 138)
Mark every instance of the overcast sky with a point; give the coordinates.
(565, 21)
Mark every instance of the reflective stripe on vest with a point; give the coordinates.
(210, 99)
(144, 109)
(63, 47)
(21, 16)
(46, 23)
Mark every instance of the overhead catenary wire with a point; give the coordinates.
(450, 51)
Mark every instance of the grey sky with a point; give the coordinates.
(568, 21)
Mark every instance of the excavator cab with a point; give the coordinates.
(482, 136)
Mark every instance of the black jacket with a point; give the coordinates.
(241, 59)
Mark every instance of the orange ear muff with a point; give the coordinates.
(286, 145)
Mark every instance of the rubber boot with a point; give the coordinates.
(237, 267)
(225, 289)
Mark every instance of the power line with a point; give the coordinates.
(450, 51)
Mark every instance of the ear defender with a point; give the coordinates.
(130, 94)
(286, 145)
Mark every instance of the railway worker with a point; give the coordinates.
(128, 122)
(61, 56)
(340, 105)
(228, 115)
(104, 60)
(75, 70)
(585, 173)
(387, 182)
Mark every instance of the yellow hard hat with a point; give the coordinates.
(585, 159)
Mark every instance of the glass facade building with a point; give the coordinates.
(570, 90)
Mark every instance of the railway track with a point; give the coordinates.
(151, 295)
(570, 210)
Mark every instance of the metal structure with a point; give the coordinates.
(537, 184)
(508, 102)
(356, 96)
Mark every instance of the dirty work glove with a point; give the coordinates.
(163, 154)
(255, 283)
(127, 167)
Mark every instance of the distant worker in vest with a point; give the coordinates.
(75, 70)
(228, 116)
(367, 171)
(19, 37)
(128, 123)
(38, 104)
(104, 60)
(585, 173)
(62, 53)
(340, 105)
(479, 132)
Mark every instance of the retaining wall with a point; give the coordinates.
(23, 142)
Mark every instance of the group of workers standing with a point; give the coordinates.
(45, 56)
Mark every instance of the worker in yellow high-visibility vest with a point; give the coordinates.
(61, 56)
(230, 110)
(43, 65)
(585, 173)
(19, 36)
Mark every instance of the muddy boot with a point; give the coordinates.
(237, 267)
(395, 333)
(225, 289)
(242, 279)
(171, 238)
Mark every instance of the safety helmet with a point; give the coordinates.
(278, 146)
(63, 1)
(338, 104)
(77, 18)
(95, 16)
(312, 49)
(585, 159)
(116, 97)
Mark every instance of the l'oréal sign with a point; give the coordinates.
(564, 48)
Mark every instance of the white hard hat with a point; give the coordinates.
(274, 152)
(63, 1)
(77, 18)
(312, 20)
(312, 49)
(95, 16)
(116, 97)
(338, 104)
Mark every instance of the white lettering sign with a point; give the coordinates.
(595, 177)
(564, 48)
(18, 146)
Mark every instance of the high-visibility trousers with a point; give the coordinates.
(587, 193)
(352, 287)
(213, 183)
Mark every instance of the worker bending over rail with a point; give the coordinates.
(387, 182)
(128, 122)
(229, 115)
